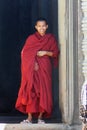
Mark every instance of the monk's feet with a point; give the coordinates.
(26, 122)
(40, 121)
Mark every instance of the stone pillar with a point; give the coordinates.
(82, 46)
(84, 37)
(68, 71)
(62, 58)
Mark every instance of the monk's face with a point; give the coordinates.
(41, 27)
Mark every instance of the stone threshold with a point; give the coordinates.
(47, 126)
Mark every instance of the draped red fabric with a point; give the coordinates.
(35, 93)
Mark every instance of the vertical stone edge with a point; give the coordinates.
(67, 65)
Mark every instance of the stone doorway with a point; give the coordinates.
(16, 23)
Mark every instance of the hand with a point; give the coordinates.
(41, 53)
(36, 66)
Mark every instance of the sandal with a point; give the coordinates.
(26, 122)
(41, 121)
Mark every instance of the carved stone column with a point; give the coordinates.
(66, 60)
(68, 71)
(84, 38)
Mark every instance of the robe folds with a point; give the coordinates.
(35, 93)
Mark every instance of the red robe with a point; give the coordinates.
(35, 93)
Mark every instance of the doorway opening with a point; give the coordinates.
(17, 22)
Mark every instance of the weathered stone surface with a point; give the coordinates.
(53, 126)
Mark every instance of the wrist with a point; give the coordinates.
(49, 53)
(46, 53)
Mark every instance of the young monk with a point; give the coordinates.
(35, 94)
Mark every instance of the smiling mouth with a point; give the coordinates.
(41, 30)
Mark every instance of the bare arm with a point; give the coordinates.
(49, 53)
(43, 53)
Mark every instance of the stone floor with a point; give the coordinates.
(49, 126)
(13, 123)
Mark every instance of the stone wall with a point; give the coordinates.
(70, 68)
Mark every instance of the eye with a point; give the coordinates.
(39, 25)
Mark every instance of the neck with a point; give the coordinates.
(42, 34)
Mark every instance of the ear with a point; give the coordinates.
(47, 26)
(35, 27)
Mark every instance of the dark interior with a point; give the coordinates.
(17, 20)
